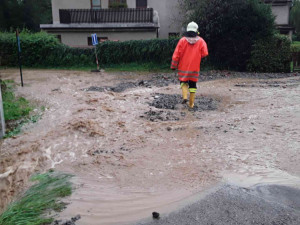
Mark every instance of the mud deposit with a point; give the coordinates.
(100, 128)
(157, 80)
(165, 101)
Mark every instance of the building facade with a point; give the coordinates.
(281, 10)
(120, 20)
(75, 20)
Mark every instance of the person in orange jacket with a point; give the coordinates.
(186, 59)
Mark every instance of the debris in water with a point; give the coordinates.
(155, 215)
(68, 222)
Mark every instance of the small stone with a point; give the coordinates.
(155, 215)
(169, 128)
(76, 218)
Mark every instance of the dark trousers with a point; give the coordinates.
(192, 85)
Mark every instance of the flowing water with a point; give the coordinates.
(129, 164)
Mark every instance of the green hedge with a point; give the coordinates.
(41, 50)
(271, 55)
(147, 51)
(44, 50)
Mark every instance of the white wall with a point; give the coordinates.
(169, 16)
(282, 14)
(80, 39)
(67, 4)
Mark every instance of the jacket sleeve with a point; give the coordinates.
(204, 50)
(176, 56)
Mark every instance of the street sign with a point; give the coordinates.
(94, 39)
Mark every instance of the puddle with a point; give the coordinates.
(100, 202)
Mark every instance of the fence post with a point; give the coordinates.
(2, 121)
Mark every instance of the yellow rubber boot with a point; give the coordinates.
(185, 91)
(192, 99)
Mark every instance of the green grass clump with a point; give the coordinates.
(295, 46)
(138, 67)
(14, 108)
(42, 197)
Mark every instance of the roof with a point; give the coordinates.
(278, 2)
(103, 26)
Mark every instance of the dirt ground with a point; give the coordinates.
(135, 149)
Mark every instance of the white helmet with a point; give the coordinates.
(192, 26)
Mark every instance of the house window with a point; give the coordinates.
(117, 4)
(142, 4)
(100, 39)
(174, 35)
(96, 4)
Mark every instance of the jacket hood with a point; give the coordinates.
(192, 40)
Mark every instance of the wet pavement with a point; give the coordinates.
(134, 150)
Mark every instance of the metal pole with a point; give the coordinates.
(2, 121)
(19, 58)
(98, 68)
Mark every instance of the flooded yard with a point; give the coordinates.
(134, 148)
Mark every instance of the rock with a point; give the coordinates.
(155, 215)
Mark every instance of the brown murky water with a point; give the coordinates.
(127, 166)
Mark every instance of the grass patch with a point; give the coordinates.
(42, 197)
(125, 67)
(295, 43)
(138, 67)
(129, 67)
(14, 108)
(17, 110)
(77, 68)
(17, 129)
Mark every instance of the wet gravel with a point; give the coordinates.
(162, 80)
(166, 101)
(270, 204)
(172, 108)
(72, 221)
(271, 84)
(158, 80)
(156, 116)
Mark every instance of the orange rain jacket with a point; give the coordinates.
(187, 57)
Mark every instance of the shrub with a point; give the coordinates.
(230, 28)
(271, 55)
(44, 50)
(41, 50)
(147, 51)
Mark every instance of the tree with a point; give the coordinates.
(24, 14)
(295, 18)
(230, 28)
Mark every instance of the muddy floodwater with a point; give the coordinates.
(134, 148)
